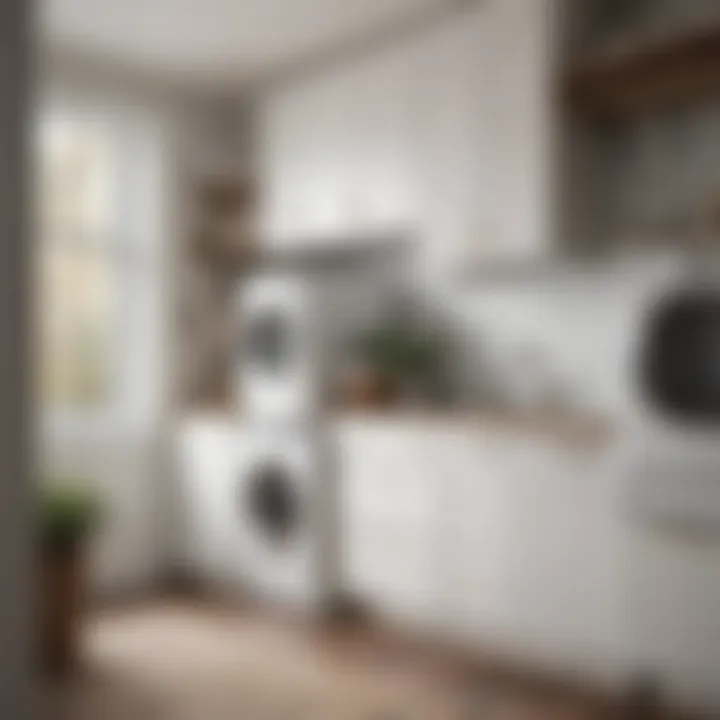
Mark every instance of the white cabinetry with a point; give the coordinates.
(390, 501)
(378, 110)
(479, 539)
(501, 540)
(532, 548)
(297, 138)
(532, 543)
(567, 566)
(517, 75)
(445, 134)
(206, 450)
(449, 141)
(485, 142)
(336, 155)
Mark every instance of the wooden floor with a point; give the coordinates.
(175, 660)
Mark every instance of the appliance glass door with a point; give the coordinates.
(271, 501)
(270, 342)
(681, 363)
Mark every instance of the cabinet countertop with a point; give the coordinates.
(582, 429)
(568, 426)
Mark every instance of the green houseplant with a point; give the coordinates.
(67, 516)
(402, 358)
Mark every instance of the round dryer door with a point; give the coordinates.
(272, 503)
(269, 342)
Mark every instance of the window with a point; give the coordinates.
(98, 225)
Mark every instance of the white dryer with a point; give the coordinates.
(295, 326)
(278, 374)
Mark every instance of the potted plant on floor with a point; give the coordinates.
(68, 514)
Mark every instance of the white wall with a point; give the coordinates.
(573, 328)
(128, 472)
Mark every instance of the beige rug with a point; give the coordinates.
(181, 663)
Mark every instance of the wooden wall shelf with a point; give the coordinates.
(647, 75)
(236, 257)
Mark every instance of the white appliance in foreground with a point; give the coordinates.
(672, 356)
(260, 506)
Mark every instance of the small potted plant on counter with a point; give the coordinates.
(395, 362)
(67, 516)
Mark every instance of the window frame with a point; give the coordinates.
(138, 248)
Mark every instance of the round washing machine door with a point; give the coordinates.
(271, 503)
(283, 516)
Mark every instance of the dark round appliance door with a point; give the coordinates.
(269, 341)
(270, 501)
(680, 362)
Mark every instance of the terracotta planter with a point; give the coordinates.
(61, 604)
(369, 389)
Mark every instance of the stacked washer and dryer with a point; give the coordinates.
(263, 488)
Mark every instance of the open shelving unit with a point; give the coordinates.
(222, 249)
(644, 74)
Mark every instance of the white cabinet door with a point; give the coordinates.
(206, 451)
(335, 152)
(518, 97)
(542, 503)
(448, 141)
(484, 135)
(389, 520)
(379, 146)
(302, 161)
(571, 564)
(531, 547)
(326, 160)
(279, 168)
(480, 538)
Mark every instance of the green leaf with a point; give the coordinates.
(67, 514)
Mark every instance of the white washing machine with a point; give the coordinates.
(262, 505)
(285, 496)
(295, 328)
